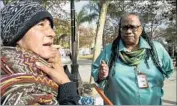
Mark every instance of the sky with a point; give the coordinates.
(1, 4)
(78, 5)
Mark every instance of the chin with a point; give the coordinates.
(130, 42)
(45, 56)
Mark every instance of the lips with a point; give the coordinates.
(128, 36)
(48, 44)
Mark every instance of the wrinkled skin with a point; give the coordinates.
(131, 37)
(39, 39)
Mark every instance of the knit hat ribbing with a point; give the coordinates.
(18, 17)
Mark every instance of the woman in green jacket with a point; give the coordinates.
(132, 69)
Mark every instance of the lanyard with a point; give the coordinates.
(137, 69)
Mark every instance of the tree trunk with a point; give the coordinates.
(100, 28)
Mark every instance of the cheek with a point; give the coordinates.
(122, 34)
(138, 33)
(35, 45)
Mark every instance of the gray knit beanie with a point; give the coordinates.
(18, 17)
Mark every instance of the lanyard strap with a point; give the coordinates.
(137, 69)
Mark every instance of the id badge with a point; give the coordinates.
(142, 81)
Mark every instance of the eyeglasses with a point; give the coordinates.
(132, 27)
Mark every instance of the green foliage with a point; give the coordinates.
(93, 10)
(7, 1)
(62, 30)
(86, 37)
(155, 14)
(170, 34)
(83, 16)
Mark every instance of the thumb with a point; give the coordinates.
(44, 68)
(103, 62)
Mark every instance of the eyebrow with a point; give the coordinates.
(43, 20)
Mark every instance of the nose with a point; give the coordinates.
(128, 31)
(50, 32)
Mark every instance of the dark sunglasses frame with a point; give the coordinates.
(132, 27)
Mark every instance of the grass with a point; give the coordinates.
(86, 57)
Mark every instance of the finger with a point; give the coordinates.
(55, 59)
(103, 71)
(103, 62)
(52, 60)
(104, 68)
(53, 54)
(104, 65)
(56, 46)
(44, 68)
(50, 65)
(102, 76)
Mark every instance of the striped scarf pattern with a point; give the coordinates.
(132, 58)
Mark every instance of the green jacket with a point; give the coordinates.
(122, 87)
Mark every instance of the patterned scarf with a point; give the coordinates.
(132, 58)
(21, 82)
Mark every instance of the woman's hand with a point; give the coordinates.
(56, 72)
(104, 71)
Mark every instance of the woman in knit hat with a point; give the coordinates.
(31, 69)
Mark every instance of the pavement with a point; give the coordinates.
(169, 97)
